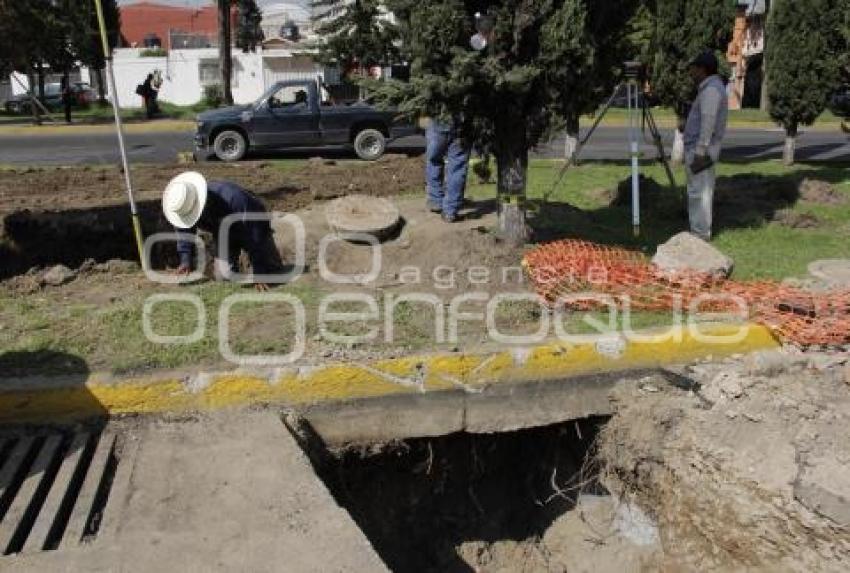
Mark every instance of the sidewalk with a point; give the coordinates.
(230, 492)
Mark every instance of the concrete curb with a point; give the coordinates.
(100, 128)
(62, 398)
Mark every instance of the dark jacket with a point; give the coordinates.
(225, 198)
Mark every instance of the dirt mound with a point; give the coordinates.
(817, 191)
(749, 471)
(788, 218)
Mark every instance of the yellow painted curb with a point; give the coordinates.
(100, 128)
(49, 400)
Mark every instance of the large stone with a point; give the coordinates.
(688, 252)
(834, 272)
(57, 275)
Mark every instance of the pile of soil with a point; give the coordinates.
(788, 218)
(746, 470)
(817, 191)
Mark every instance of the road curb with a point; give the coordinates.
(26, 400)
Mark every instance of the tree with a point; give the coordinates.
(804, 70)
(249, 33)
(357, 34)
(85, 37)
(248, 36)
(684, 28)
(547, 61)
(225, 63)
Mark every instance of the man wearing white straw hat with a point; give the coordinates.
(190, 203)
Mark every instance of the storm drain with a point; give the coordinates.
(54, 488)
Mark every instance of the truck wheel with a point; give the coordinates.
(370, 144)
(230, 145)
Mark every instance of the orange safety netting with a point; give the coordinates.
(570, 272)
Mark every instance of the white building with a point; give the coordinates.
(186, 73)
(276, 16)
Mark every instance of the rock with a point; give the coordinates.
(57, 275)
(730, 384)
(822, 361)
(688, 252)
(87, 266)
(773, 362)
(834, 272)
(823, 486)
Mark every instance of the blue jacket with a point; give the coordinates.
(225, 198)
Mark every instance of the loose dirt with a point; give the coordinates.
(68, 215)
(521, 501)
(748, 470)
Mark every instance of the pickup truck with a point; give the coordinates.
(296, 114)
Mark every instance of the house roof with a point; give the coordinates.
(143, 18)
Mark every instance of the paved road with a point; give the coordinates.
(608, 143)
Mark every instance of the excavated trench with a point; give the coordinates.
(71, 237)
(453, 503)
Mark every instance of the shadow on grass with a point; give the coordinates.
(743, 200)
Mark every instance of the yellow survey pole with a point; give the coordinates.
(116, 110)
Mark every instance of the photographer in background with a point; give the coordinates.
(704, 132)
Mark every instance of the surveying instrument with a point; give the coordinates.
(639, 120)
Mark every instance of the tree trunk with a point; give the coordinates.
(677, 155)
(101, 88)
(764, 97)
(36, 112)
(224, 56)
(40, 74)
(512, 163)
(571, 145)
(790, 145)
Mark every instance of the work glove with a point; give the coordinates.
(700, 163)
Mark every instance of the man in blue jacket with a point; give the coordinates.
(190, 203)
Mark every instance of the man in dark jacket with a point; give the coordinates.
(190, 203)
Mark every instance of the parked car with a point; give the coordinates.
(81, 96)
(296, 114)
(839, 104)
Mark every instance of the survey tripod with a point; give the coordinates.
(639, 120)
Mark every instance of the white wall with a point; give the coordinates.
(181, 74)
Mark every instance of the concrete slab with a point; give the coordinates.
(229, 492)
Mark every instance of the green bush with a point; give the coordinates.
(213, 96)
(153, 53)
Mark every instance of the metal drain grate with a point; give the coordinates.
(54, 488)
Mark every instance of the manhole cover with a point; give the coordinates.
(353, 216)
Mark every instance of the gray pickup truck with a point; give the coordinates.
(296, 114)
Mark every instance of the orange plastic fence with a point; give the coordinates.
(570, 272)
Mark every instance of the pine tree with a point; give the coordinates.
(357, 34)
(249, 33)
(684, 28)
(547, 62)
(804, 69)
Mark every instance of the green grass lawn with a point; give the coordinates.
(749, 196)
(737, 118)
(102, 324)
(96, 113)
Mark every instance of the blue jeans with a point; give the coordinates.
(447, 157)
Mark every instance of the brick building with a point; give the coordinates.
(174, 27)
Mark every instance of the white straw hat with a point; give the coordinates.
(184, 199)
